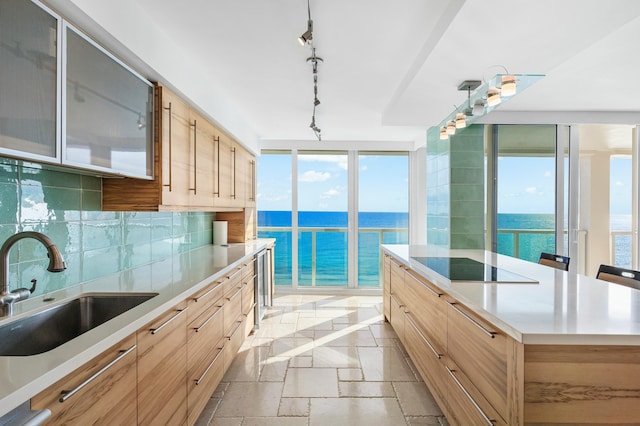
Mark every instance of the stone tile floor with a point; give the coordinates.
(322, 360)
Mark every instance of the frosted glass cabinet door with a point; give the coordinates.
(108, 123)
(28, 76)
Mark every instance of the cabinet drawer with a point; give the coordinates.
(232, 308)
(203, 300)
(427, 359)
(248, 294)
(397, 280)
(203, 335)
(480, 352)
(162, 369)
(233, 280)
(428, 309)
(397, 317)
(248, 269)
(203, 382)
(235, 339)
(466, 403)
(101, 391)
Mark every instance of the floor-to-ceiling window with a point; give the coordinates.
(383, 209)
(274, 213)
(607, 193)
(330, 212)
(323, 219)
(525, 190)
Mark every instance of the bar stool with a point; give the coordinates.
(554, 260)
(617, 275)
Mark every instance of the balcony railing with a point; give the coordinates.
(325, 264)
(620, 247)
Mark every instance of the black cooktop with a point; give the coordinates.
(465, 269)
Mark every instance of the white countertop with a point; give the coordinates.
(560, 308)
(174, 278)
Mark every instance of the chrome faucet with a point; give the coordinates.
(56, 264)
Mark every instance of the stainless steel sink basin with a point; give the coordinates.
(49, 329)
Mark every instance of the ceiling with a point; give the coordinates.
(391, 68)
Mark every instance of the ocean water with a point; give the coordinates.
(331, 245)
(530, 245)
(330, 242)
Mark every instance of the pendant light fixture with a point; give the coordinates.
(487, 96)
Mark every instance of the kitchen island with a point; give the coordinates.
(543, 346)
(175, 280)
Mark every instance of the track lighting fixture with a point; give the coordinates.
(487, 96)
(307, 36)
(307, 39)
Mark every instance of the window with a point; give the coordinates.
(328, 232)
(383, 213)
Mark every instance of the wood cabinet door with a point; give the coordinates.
(203, 161)
(481, 353)
(176, 169)
(103, 391)
(162, 369)
(428, 308)
(223, 170)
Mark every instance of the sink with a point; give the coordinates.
(49, 329)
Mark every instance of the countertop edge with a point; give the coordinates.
(401, 251)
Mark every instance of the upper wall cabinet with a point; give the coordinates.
(29, 90)
(198, 167)
(108, 111)
(65, 100)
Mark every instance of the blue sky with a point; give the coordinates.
(323, 183)
(526, 184)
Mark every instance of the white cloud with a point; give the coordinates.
(531, 190)
(313, 176)
(340, 160)
(330, 193)
(619, 183)
(548, 174)
(363, 168)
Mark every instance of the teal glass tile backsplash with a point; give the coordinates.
(67, 208)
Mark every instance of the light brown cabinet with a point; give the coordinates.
(167, 371)
(197, 166)
(102, 391)
(205, 349)
(480, 375)
(162, 369)
(466, 363)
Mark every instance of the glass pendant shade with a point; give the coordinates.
(461, 120)
(493, 97)
(451, 128)
(443, 133)
(508, 85)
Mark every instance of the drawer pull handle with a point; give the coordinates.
(164, 324)
(234, 274)
(68, 394)
(489, 333)
(239, 289)
(251, 279)
(435, 352)
(235, 331)
(249, 310)
(170, 146)
(424, 285)
(466, 393)
(197, 329)
(201, 378)
(208, 292)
